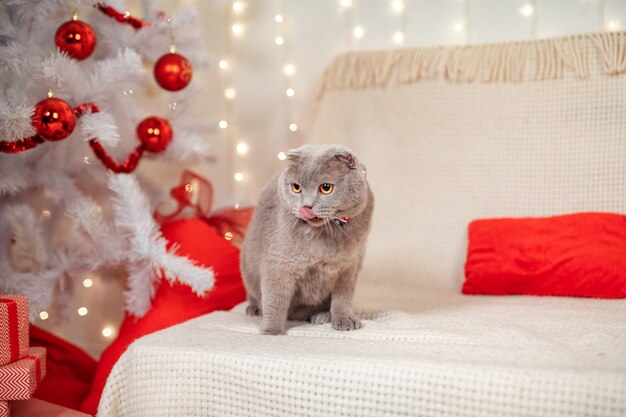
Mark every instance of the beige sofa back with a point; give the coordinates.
(453, 134)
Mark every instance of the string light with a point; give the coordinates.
(398, 37)
(237, 29)
(345, 4)
(459, 26)
(82, 311)
(290, 92)
(289, 69)
(282, 156)
(238, 176)
(238, 7)
(397, 6)
(278, 40)
(242, 148)
(43, 315)
(87, 283)
(358, 32)
(107, 332)
(526, 10)
(612, 26)
(223, 124)
(293, 127)
(279, 18)
(44, 215)
(230, 93)
(223, 64)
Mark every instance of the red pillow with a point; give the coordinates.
(175, 303)
(576, 255)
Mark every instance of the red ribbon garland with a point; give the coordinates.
(20, 145)
(131, 161)
(129, 164)
(121, 17)
(14, 339)
(25, 144)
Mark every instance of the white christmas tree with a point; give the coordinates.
(63, 209)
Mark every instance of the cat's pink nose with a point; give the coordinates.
(306, 213)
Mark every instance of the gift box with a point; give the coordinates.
(39, 408)
(13, 328)
(5, 408)
(19, 379)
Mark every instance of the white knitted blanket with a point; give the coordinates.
(455, 356)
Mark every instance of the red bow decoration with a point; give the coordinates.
(196, 192)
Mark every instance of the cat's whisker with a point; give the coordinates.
(288, 224)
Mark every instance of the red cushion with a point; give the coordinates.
(578, 255)
(176, 303)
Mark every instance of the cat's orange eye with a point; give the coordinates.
(296, 187)
(326, 188)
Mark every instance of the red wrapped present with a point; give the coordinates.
(35, 408)
(13, 328)
(19, 379)
(5, 408)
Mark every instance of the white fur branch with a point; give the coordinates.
(101, 126)
(34, 12)
(126, 65)
(62, 72)
(152, 41)
(141, 289)
(99, 242)
(27, 249)
(182, 269)
(15, 121)
(189, 146)
(13, 178)
(13, 58)
(134, 217)
(38, 286)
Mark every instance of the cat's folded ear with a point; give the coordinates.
(348, 159)
(294, 155)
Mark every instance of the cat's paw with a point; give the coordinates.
(254, 311)
(320, 318)
(346, 322)
(272, 330)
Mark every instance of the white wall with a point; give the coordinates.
(314, 31)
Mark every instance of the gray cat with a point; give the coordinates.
(305, 244)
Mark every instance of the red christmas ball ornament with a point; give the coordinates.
(53, 119)
(76, 39)
(172, 72)
(155, 133)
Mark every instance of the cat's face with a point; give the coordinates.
(323, 183)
